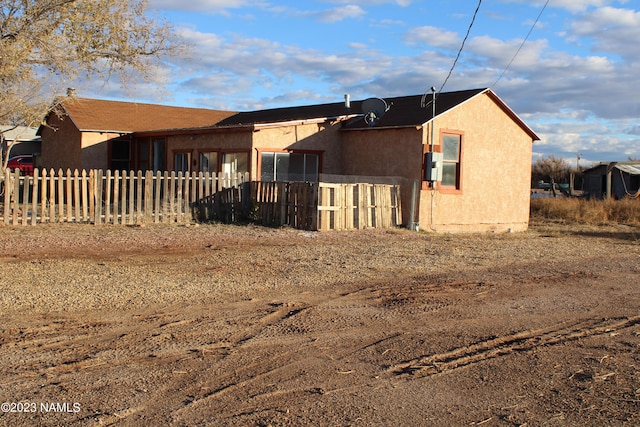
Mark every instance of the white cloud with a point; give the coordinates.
(207, 6)
(432, 36)
(337, 14)
(611, 30)
(573, 6)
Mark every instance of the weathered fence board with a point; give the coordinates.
(358, 206)
(130, 198)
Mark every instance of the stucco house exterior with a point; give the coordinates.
(485, 160)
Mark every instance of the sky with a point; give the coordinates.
(568, 68)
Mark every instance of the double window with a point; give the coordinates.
(301, 167)
(229, 163)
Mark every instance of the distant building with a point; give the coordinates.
(612, 180)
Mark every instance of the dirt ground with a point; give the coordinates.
(218, 325)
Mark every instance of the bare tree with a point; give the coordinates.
(551, 168)
(44, 44)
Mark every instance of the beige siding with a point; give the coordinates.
(496, 169)
(391, 152)
(196, 143)
(95, 149)
(323, 138)
(61, 145)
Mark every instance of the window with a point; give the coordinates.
(158, 155)
(120, 155)
(452, 155)
(235, 163)
(143, 155)
(209, 161)
(302, 167)
(181, 161)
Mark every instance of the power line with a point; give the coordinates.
(521, 45)
(461, 46)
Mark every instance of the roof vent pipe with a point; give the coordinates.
(347, 101)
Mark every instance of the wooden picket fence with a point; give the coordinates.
(130, 198)
(105, 197)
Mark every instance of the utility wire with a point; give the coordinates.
(461, 46)
(521, 45)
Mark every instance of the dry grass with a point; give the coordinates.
(592, 212)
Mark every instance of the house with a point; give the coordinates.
(466, 169)
(96, 134)
(612, 179)
(23, 140)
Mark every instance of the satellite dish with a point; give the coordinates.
(373, 110)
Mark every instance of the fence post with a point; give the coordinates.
(139, 218)
(76, 194)
(148, 196)
(69, 199)
(43, 196)
(52, 196)
(283, 200)
(60, 195)
(85, 196)
(16, 195)
(34, 197)
(157, 196)
(98, 218)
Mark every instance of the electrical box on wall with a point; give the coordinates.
(433, 166)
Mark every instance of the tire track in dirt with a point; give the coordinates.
(501, 346)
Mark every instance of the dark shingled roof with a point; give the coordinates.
(289, 114)
(403, 111)
(407, 111)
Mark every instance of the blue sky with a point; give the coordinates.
(575, 80)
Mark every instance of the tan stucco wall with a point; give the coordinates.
(65, 147)
(195, 143)
(61, 145)
(322, 137)
(496, 170)
(95, 150)
(391, 152)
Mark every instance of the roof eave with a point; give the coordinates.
(512, 114)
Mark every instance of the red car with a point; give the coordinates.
(24, 163)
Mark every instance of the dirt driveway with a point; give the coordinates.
(247, 326)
